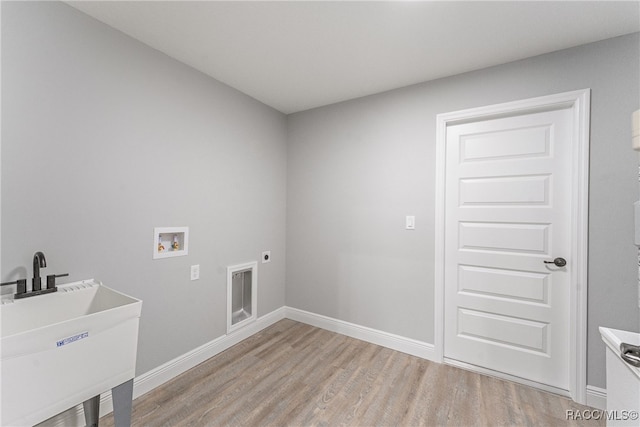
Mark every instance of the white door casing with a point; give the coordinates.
(512, 192)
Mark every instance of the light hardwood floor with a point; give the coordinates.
(292, 374)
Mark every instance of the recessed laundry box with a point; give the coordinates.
(242, 281)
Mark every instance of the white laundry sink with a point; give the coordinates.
(623, 379)
(61, 349)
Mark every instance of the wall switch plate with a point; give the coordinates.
(195, 272)
(266, 257)
(410, 222)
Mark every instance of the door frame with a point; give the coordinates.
(579, 102)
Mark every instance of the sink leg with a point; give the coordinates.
(92, 411)
(122, 396)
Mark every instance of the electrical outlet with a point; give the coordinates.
(195, 272)
(266, 257)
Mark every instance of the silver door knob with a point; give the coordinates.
(559, 262)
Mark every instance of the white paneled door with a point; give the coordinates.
(508, 207)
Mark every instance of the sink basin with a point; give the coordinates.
(623, 379)
(59, 350)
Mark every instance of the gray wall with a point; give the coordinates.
(355, 169)
(104, 139)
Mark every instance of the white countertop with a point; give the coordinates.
(613, 337)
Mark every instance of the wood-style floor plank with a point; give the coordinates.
(292, 374)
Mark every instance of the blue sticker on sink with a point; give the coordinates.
(72, 339)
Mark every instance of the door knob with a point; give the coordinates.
(559, 262)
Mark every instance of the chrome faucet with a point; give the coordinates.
(39, 262)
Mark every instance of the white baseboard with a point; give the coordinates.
(596, 397)
(152, 379)
(395, 342)
(163, 373)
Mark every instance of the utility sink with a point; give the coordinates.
(62, 349)
(623, 378)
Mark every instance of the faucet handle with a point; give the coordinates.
(51, 280)
(22, 285)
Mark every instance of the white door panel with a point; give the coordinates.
(505, 168)
(528, 214)
(498, 283)
(507, 210)
(491, 144)
(510, 190)
(514, 261)
(505, 306)
(509, 332)
(509, 237)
